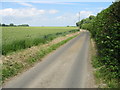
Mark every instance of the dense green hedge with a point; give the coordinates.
(105, 29)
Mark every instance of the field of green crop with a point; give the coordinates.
(16, 38)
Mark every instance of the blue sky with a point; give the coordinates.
(46, 13)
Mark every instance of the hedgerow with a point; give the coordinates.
(105, 29)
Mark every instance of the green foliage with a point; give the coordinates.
(15, 38)
(24, 25)
(91, 17)
(10, 68)
(84, 24)
(105, 29)
(12, 25)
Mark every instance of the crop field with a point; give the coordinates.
(16, 38)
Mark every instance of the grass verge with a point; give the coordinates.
(11, 68)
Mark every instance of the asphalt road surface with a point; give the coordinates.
(64, 68)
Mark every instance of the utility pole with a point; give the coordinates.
(79, 19)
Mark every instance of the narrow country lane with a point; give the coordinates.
(64, 68)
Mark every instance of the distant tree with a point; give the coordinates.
(3, 24)
(24, 25)
(11, 24)
(91, 17)
(67, 25)
(77, 24)
(85, 21)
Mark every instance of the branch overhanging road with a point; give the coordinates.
(64, 68)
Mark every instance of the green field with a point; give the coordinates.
(16, 38)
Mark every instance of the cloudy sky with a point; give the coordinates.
(48, 13)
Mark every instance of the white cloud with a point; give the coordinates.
(53, 11)
(67, 19)
(84, 14)
(61, 17)
(21, 12)
(100, 9)
(25, 4)
(25, 12)
(71, 19)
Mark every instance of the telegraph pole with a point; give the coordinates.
(79, 19)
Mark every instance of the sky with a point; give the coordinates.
(49, 13)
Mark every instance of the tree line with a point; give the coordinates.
(13, 25)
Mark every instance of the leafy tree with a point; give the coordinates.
(85, 22)
(24, 25)
(11, 24)
(91, 17)
(3, 24)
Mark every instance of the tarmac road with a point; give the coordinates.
(64, 68)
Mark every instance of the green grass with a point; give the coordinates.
(101, 77)
(11, 68)
(17, 38)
